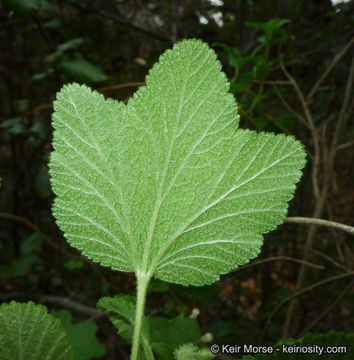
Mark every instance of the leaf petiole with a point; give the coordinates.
(143, 280)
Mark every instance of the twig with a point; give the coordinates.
(345, 145)
(321, 222)
(289, 108)
(327, 258)
(37, 109)
(69, 304)
(329, 308)
(103, 89)
(320, 203)
(21, 220)
(334, 62)
(298, 293)
(38, 231)
(118, 20)
(311, 125)
(56, 300)
(343, 116)
(277, 258)
(120, 86)
(280, 126)
(277, 82)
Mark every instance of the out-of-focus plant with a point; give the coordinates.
(72, 64)
(252, 66)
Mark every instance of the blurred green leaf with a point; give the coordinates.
(72, 265)
(261, 122)
(162, 351)
(287, 120)
(261, 70)
(157, 285)
(270, 26)
(233, 52)
(80, 70)
(19, 106)
(19, 267)
(70, 45)
(14, 126)
(37, 78)
(82, 335)
(173, 332)
(242, 83)
(41, 130)
(274, 33)
(52, 24)
(236, 59)
(47, 5)
(31, 243)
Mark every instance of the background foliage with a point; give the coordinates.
(274, 53)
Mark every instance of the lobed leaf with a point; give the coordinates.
(167, 185)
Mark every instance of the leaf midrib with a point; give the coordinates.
(165, 172)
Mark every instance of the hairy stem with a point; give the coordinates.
(143, 280)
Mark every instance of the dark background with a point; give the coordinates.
(273, 67)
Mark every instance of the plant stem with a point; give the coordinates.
(143, 280)
(147, 350)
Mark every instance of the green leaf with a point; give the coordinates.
(242, 83)
(121, 311)
(236, 59)
(162, 351)
(167, 185)
(70, 45)
(72, 265)
(274, 31)
(40, 130)
(287, 120)
(14, 126)
(31, 243)
(28, 332)
(20, 106)
(173, 332)
(81, 70)
(192, 352)
(313, 343)
(261, 70)
(269, 26)
(19, 267)
(82, 335)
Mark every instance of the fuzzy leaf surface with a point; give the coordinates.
(28, 332)
(192, 352)
(121, 311)
(167, 185)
